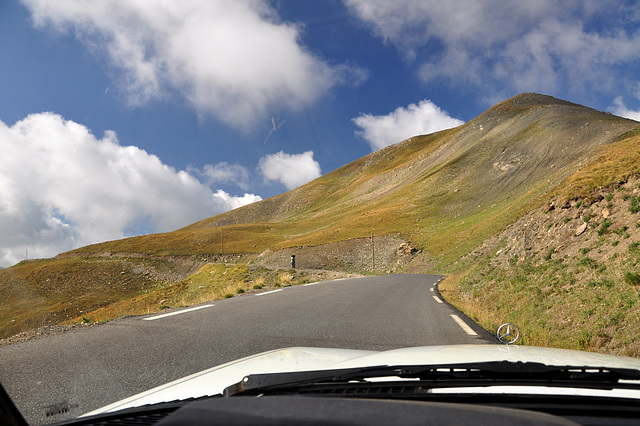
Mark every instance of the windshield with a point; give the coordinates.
(185, 184)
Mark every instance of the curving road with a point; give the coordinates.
(63, 376)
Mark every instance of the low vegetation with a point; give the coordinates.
(208, 283)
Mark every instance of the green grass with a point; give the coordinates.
(604, 227)
(632, 278)
(597, 313)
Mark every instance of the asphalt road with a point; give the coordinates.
(63, 376)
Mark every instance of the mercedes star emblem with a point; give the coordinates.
(508, 333)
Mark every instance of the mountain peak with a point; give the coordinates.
(535, 99)
(528, 100)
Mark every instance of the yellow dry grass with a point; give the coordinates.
(611, 164)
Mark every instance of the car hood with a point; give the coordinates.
(214, 380)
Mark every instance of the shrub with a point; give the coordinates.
(634, 204)
(258, 283)
(549, 253)
(285, 278)
(588, 262)
(622, 230)
(632, 278)
(604, 227)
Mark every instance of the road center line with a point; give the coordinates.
(464, 325)
(437, 299)
(268, 292)
(170, 314)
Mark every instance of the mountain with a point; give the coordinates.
(422, 204)
(443, 193)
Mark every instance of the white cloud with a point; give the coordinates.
(229, 202)
(223, 173)
(384, 130)
(63, 188)
(292, 170)
(619, 108)
(233, 59)
(543, 46)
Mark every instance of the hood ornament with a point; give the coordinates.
(508, 333)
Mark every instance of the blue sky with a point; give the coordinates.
(123, 118)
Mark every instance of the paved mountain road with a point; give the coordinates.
(63, 376)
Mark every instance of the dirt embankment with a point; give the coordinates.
(375, 254)
(603, 225)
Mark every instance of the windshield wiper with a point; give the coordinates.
(498, 373)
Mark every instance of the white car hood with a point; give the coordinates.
(214, 380)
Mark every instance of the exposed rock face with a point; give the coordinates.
(581, 229)
(577, 227)
(405, 249)
(358, 254)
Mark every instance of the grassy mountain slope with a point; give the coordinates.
(444, 194)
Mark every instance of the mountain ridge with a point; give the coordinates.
(505, 159)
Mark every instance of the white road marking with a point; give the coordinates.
(308, 284)
(431, 289)
(437, 299)
(268, 292)
(464, 325)
(170, 314)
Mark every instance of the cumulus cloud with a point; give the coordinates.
(230, 202)
(524, 46)
(384, 130)
(619, 108)
(63, 188)
(223, 172)
(233, 59)
(292, 170)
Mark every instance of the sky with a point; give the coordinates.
(122, 118)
